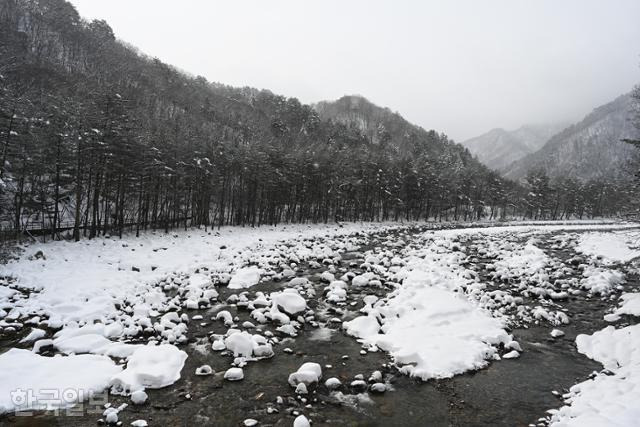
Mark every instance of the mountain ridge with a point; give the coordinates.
(589, 149)
(499, 147)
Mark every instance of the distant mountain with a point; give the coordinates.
(498, 148)
(587, 150)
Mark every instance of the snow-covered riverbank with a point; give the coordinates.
(99, 305)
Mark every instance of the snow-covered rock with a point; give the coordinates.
(139, 397)
(333, 383)
(150, 367)
(245, 278)
(234, 374)
(301, 421)
(289, 301)
(308, 373)
(204, 370)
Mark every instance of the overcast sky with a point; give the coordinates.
(461, 67)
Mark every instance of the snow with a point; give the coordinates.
(528, 262)
(240, 343)
(204, 370)
(245, 278)
(362, 327)
(308, 373)
(24, 371)
(218, 345)
(289, 301)
(429, 331)
(243, 344)
(301, 421)
(333, 383)
(225, 316)
(301, 388)
(150, 367)
(110, 415)
(612, 347)
(610, 400)
(601, 281)
(83, 281)
(234, 374)
(437, 321)
(613, 247)
(337, 291)
(139, 397)
(630, 305)
(92, 343)
(34, 335)
(378, 387)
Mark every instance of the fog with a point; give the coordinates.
(461, 67)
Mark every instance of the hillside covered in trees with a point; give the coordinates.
(96, 137)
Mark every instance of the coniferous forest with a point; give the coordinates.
(97, 138)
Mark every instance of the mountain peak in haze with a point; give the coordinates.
(498, 148)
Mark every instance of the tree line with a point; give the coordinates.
(97, 138)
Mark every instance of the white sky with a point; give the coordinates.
(458, 66)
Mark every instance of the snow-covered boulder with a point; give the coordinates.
(308, 373)
(234, 374)
(289, 301)
(150, 367)
(245, 278)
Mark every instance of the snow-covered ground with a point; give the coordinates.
(121, 285)
(611, 398)
(613, 247)
(116, 312)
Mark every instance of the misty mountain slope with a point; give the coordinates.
(498, 148)
(591, 149)
(379, 125)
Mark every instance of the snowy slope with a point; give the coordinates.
(589, 149)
